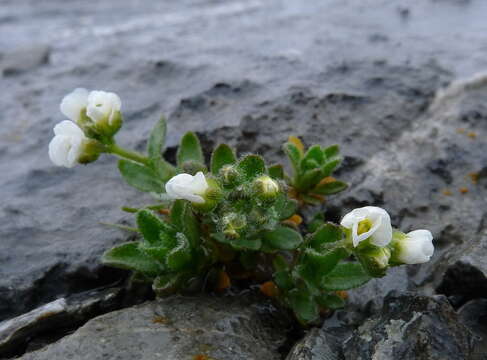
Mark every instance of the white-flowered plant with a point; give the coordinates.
(236, 217)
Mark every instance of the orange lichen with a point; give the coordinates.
(326, 180)
(201, 357)
(461, 131)
(474, 177)
(447, 192)
(296, 142)
(269, 289)
(223, 281)
(164, 211)
(463, 190)
(342, 294)
(160, 320)
(472, 134)
(294, 220)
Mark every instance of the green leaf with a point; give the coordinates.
(315, 265)
(157, 140)
(294, 156)
(283, 238)
(246, 244)
(158, 253)
(345, 276)
(330, 188)
(311, 199)
(191, 227)
(316, 222)
(326, 233)
(251, 166)
(180, 256)
(332, 151)
(303, 305)
(151, 226)
(177, 214)
(283, 280)
(167, 284)
(309, 179)
(140, 177)
(314, 157)
(285, 207)
(330, 301)
(223, 155)
(276, 171)
(330, 166)
(279, 263)
(129, 256)
(190, 149)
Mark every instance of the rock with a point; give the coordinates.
(407, 327)
(412, 327)
(474, 316)
(177, 328)
(252, 87)
(51, 321)
(324, 343)
(20, 60)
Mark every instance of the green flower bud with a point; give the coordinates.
(229, 175)
(266, 188)
(375, 260)
(233, 223)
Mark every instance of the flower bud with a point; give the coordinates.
(229, 175)
(368, 222)
(203, 193)
(70, 146)
(233, 223)
(415, 247)
(96, 112)
(375, 260)
(266, 188)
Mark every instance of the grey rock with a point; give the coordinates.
(324, 343)
(177, 328)
(412, 327)
(252, 87)
(473, 315)
(24, 59)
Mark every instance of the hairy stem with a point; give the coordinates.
(127, 154)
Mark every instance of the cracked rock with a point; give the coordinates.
(177, 328)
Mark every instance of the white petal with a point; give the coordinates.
(73, 103)
(102, 104)
(380, 233)
(68, 128)
(199, 184)
(58, 150)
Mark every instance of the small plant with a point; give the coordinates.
(236, 216)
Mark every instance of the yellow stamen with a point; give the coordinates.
(364, 226)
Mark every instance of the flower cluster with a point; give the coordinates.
(236, 217)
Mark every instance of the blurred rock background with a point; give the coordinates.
(400, 85)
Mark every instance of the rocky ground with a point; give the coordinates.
(398, 84)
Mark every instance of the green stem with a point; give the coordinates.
(127, 154)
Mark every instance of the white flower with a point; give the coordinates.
(369, 222)
(74, 103)
(103, 106)
(188, 187)
(416, 247)
(101, 109)
(66, 147)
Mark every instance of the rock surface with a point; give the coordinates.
(408, 327)
(401, 91)
(175, 329)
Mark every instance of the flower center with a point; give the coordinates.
(364, 226)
